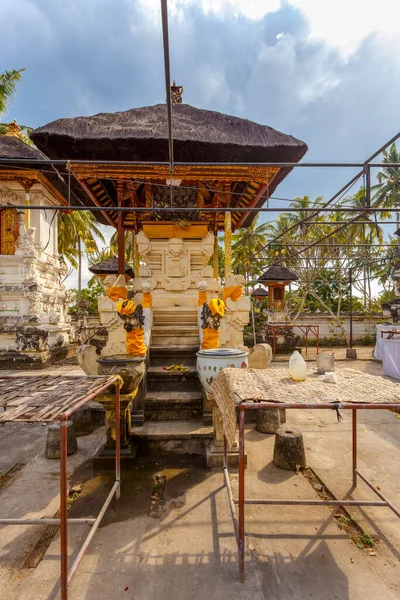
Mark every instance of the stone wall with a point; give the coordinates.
(34, 327)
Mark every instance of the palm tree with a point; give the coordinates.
(248, 250)
(8, 87)
(73, 229)
(388, 188)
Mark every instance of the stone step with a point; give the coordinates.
(160, 380)
(173, 406)
(179, 437)
(174, 335)
(167, 355)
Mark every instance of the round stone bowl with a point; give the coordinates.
(130, 368)
(211, 362)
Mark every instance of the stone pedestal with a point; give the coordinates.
(289, 449)
(108, 401)
(53, 440)
(82, 419)
(268, 420)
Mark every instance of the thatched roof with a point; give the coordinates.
(278, 273)
(142, 134)
(110, 267)
(260, 291)
(14, 147)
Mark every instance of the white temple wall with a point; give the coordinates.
(33, 314)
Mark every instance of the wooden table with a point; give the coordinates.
(276, 329)
(258, 389)
(46, 399)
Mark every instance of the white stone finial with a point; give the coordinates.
(145, 285)
(201, 285)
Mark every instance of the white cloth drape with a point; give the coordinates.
(391, 357)
(378, 345)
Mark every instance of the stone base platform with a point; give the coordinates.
(215, 457)
(105, 459)
(183, 437)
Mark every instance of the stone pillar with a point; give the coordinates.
(136, 258)
(215, 450)
(108, 401)
(215, 257)
(228, 243)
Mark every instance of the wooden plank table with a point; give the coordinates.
(50, 398)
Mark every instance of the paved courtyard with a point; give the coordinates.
(185, 547)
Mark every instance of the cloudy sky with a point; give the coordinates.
(326, 71)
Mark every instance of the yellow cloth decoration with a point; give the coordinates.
(117, 292)
(217, 306)
(210, 339)
(135, 342)
(202, 297)
(234, 292)
(170, 230)
(147, 300)
(127, 307)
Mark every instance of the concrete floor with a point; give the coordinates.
(186, 548)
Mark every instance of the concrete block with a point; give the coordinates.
(289, 449)
(82, 419)
(53, 440)
(268, 420)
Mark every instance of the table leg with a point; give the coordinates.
(354, 432)
(118, 440)
(306, 341)
(317, 336)
(63, 510)
(241, 494)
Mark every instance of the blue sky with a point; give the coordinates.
(326, 71)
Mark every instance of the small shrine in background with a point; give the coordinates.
(259, 294)
(276, 278)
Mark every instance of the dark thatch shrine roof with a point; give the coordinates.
(260, 291)
(278, 273)
(11, 146)
(141, 134)
(110, 267)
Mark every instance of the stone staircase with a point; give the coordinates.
(172, 396)
(173, 403)
(175, 326)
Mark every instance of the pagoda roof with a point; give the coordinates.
(12, 146)
(201, 138)
(110, 267)
(141, 134)
(278, 273)
(260, 291)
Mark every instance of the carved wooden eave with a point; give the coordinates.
(217, 186)
(23, 176)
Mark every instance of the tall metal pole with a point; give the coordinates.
(120, 230)
(164, 18)
(351, 305)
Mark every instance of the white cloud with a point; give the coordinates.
(342, 24)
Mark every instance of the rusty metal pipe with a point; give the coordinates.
(118, 440)
(378, 493)
(92, 531)
(80, 521)
(230, 494)
(241, 494)
(342, 406)
(354, 437)
(63, 509)
(314, 502)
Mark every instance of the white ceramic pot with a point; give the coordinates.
(211, 362)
